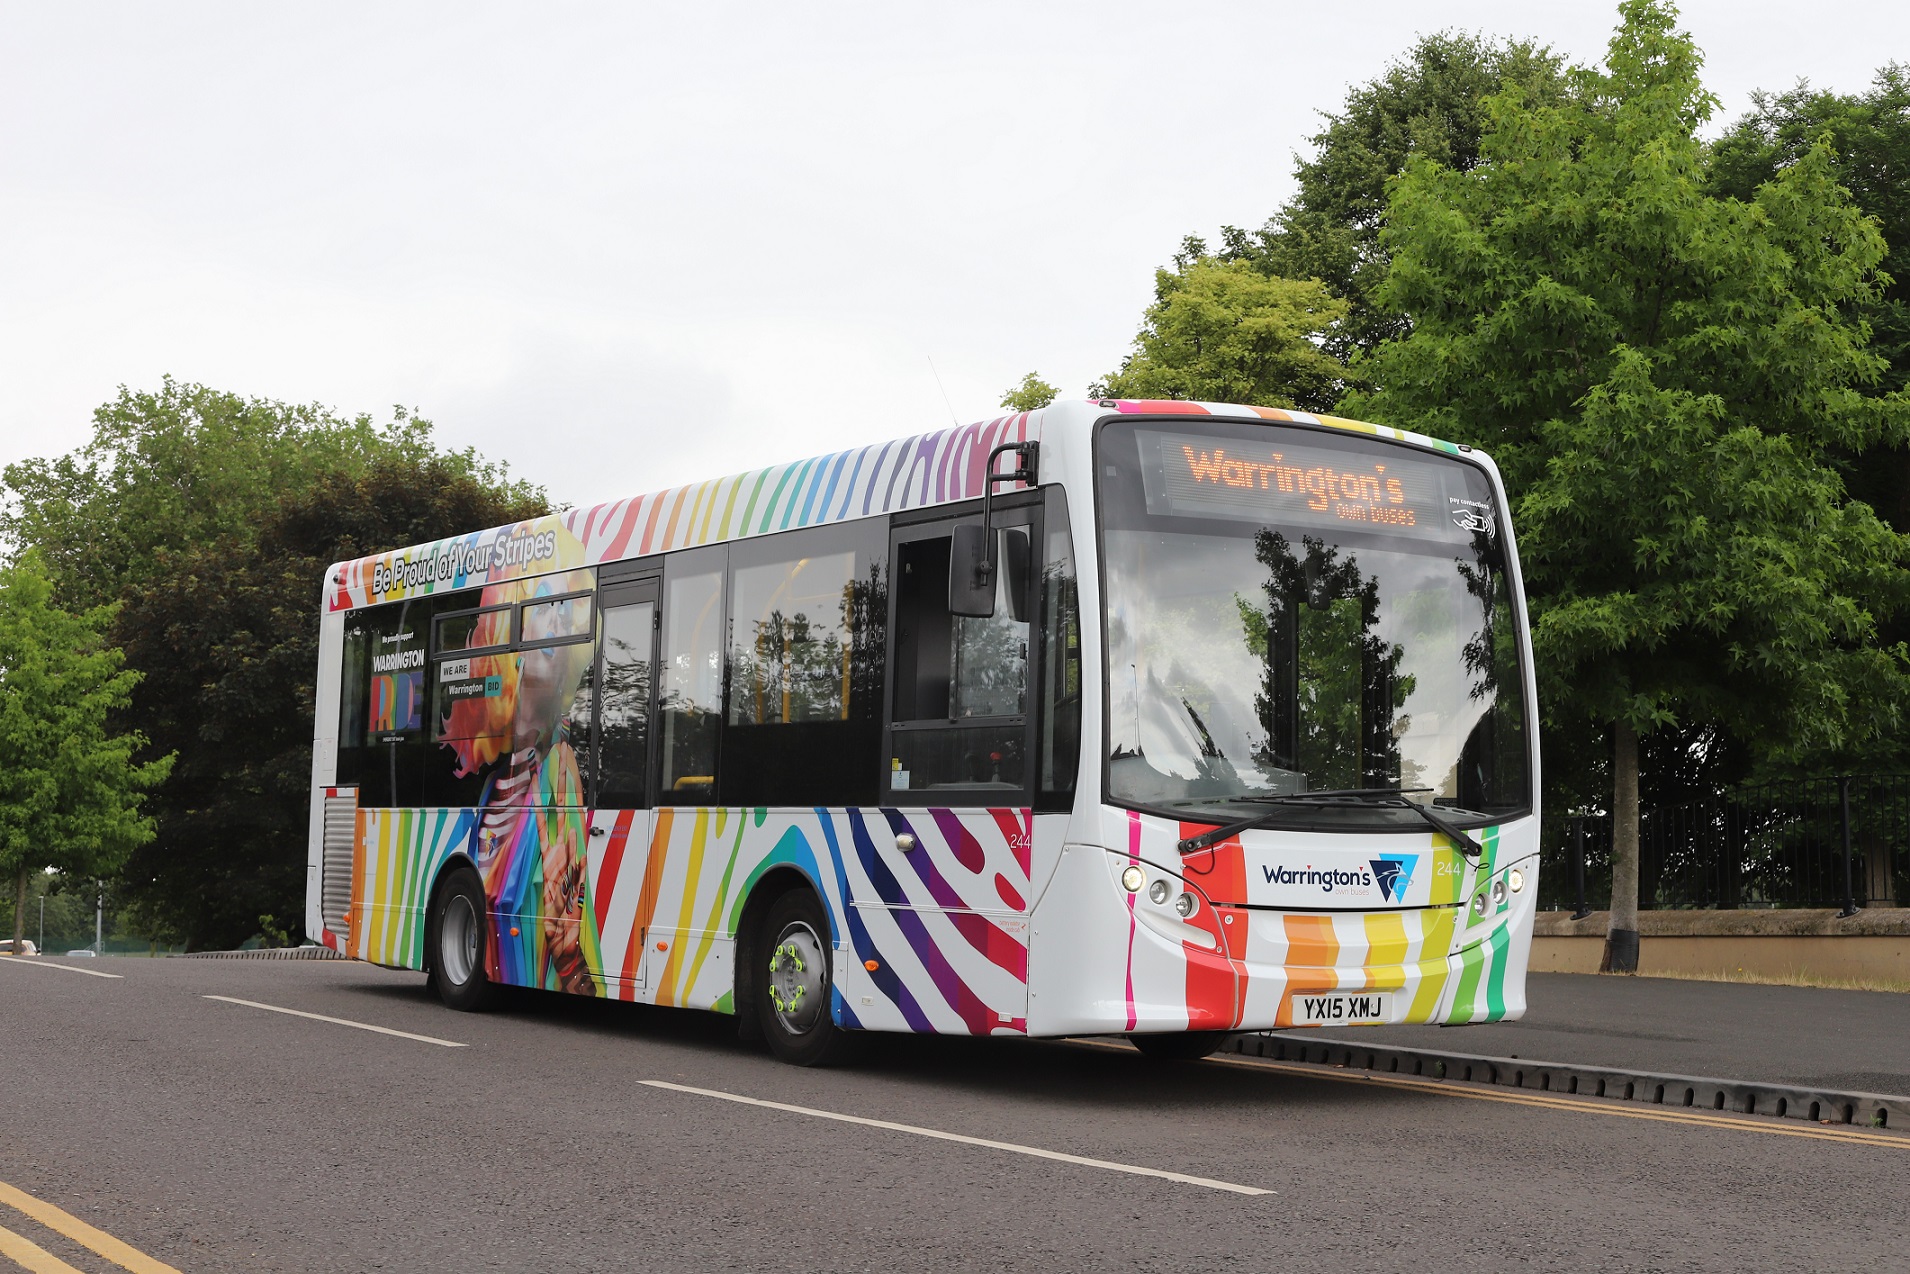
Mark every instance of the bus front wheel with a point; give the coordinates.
(455, 937)
(798, 983)
(1180, 1046)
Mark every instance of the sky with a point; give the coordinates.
(625, 245)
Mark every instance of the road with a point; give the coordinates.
(213, 1135)
(1857, 1041)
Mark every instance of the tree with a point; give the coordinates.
(229, 641)
(1032, 394)
(1664, 374)
(181, 466)
(70, 791)
(1869, 139)
(1220, 331)
(1428, 104)
(165, 511)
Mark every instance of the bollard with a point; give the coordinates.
(1578, 865)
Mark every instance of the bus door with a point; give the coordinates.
(620, 824)
(960, 739)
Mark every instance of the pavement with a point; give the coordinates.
(1854, 1041)
(269, 1130)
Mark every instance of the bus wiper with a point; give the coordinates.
(1385, 798)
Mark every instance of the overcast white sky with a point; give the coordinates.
(626, 245)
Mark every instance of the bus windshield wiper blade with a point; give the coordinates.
(1383, 798)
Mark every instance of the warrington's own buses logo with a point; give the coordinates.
(1394, 874)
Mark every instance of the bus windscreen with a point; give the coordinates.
(1293, 610)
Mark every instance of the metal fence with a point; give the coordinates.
(1832, 842)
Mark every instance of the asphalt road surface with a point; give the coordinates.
(213, 1135)
(1857, 1041)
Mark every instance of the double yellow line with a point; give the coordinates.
(29, 1255)
(1579, 1105)
(1576, 1105)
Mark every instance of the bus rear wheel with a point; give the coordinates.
(455, 937)
(797, 985)
(1180, 1046)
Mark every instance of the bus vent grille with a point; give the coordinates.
(341, 822)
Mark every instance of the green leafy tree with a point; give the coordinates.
(1032, 394)
(1665, 374)
(70, 789)
(165, 512)
(229, 642)
(66, 918)
(181, 466)
(1221, 331)
(1429, 104)
(1869, 139)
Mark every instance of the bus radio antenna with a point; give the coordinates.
(939, 385)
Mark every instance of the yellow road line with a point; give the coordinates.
(96, 1240)
(1587, 1105)
(29, 1255)
(1578, 1105)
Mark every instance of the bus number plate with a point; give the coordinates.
(1343, 1008)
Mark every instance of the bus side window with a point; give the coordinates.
(624, 716)
(354, 699)
(1060, 659)
(959, 708)
(988, 674)
(467, 643)
(807, 610)
(923, 630)
(382, 705)
(690, 712)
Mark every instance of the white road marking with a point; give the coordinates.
(338, 1021)
(40, 963)
(1036, 1151)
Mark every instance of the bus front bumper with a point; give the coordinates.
(1104, 959)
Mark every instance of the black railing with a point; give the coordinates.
(1831, 842)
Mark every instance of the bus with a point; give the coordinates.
(1165, 720)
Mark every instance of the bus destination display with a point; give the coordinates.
(1283, 482)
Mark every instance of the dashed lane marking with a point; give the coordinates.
(1555, 1101)
(41, 963)
(33, 1257)
(337, 1021)
(1012, 1147)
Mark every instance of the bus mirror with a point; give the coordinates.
(1014, 567)
(971, 572)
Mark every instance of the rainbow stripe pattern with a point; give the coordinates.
(908, 473)
(941, 939)
(994, 923)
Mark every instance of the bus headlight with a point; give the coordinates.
(1158, 891)
(1187, 905)
(1480, 903)
(1498, 893)
(1516, 878)
(1132, 879)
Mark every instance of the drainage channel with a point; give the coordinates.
(1782, 1101)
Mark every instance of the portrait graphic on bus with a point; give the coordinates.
(508, 718)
